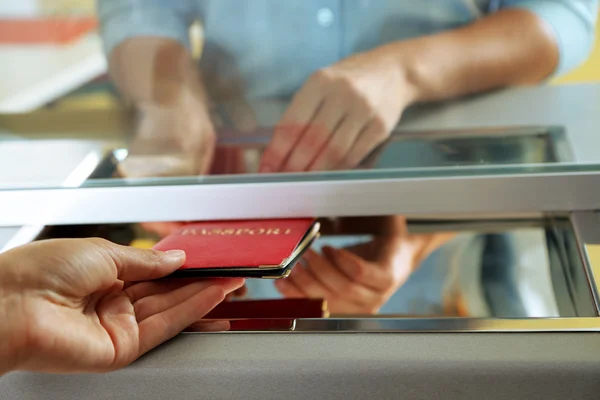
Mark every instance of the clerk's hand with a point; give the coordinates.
(357, 280)
(340, 115)
(361, 278)
(88, 305)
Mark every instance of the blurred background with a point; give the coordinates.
(52, 58)
(54, 85)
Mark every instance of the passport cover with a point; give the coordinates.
(241, 248)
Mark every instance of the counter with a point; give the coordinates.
(412, 364)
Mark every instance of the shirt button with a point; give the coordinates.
(325, 17)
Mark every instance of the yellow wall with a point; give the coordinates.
(590, 71)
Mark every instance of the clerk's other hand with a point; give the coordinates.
(88, 305)
(356, 280)
(362, 278)
(340, 115)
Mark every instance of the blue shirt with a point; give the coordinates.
(270, 47)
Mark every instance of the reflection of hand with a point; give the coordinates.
(173, 140)
(340, 115)
(362, 278)
(227, 160)
(83, 305)
(355, 280)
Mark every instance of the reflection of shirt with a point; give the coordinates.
(270, 47)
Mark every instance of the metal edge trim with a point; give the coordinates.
(407, 196)
(437, 325)
(587, 233)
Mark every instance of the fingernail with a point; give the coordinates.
(175, 254)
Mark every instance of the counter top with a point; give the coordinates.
(357, 366)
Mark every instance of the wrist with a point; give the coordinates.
(181, 98)
(417, 67)
(401, 59)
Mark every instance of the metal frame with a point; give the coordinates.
(586, 225)
(454, 195)
(432, 325)
(587, 230)
(562, 192)
(371, 193)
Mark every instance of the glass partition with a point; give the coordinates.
(181, 91)
(119, 117)
(498, 269)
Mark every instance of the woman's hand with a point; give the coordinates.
(88, 305)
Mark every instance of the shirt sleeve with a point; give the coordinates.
(124, 19)
(573, 23)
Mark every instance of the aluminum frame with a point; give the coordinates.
(454, 195)
(587, 232)
(430, 325)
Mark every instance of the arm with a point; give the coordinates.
(346, 110)
(154, 72)
(524, 43)
(147, 44)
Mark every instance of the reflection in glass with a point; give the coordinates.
(324, 86)
(237, 159)
(348, 71)
(497, 269)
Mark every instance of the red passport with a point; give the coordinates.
(241, 248)
(270, 309)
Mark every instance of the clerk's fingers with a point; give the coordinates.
(327, 273)
(289, 289)
(330, 274)
(317, 134)
(371, 136)
(335, 153)
(360, 271)
(292, 125)
(308, 284)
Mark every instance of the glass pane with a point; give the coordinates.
(178, 92)
(458, 269)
